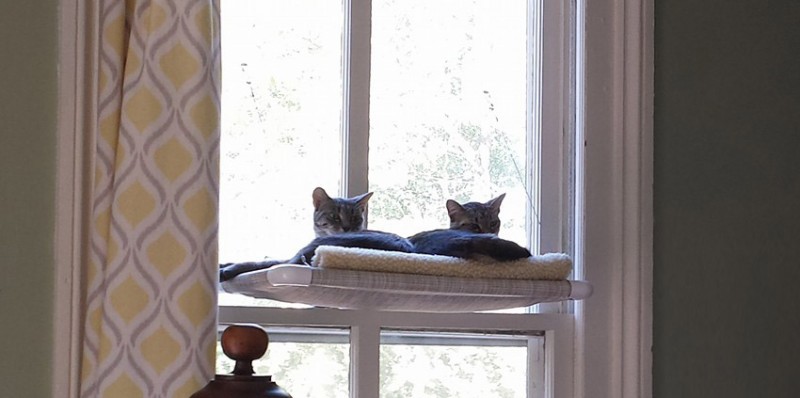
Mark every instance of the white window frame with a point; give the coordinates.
(614, 326)
(611, 336)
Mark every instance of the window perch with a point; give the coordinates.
(353, 278)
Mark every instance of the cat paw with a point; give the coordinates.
(225, 273)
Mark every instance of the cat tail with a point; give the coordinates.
(500, 249)
(230, 270)
(481, 246)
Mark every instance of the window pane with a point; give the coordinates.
(281, 116)
(448, 366)
(448, 111)
(295, 355)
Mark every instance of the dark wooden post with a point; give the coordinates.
(243, 343)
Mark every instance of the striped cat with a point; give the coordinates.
(475, 216)
(337, 215)
(472, 235)
(337, 222)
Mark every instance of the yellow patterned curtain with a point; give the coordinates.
(150, 288)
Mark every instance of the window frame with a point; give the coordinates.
(611, 343)
(614, 326)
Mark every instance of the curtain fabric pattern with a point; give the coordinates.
(150, 274)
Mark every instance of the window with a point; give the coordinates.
(418, 101)
(611, 344)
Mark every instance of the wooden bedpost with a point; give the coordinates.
(243, 343)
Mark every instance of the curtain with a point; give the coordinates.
(149, 304)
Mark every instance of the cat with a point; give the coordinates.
(337, 222)
(475, 216)
(338, 215)
(473, 235)
(467, 245)
(365, 239)
(474, 227)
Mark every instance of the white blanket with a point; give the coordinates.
(550, 266)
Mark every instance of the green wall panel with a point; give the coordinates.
(727, 199)
(28, 87)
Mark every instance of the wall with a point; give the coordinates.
(27, 175)
(727, 199)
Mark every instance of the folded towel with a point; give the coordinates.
(550, 266)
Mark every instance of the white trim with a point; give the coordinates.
(554, 108)
(365, 357)
(72, 179)
(538, 368)
(534, 126)
(355, 105)
(615, 328)
(66, 248)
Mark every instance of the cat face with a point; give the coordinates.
(475, 216)
(337, 215)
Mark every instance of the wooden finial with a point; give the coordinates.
(244, 343)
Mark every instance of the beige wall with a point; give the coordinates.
(28, 50)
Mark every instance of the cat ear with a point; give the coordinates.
(494, 204)
(361, 200)
(320, 197)
(454, 209)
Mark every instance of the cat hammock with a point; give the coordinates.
(354, 278)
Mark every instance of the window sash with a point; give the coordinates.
(553, 359)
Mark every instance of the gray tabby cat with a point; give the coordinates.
(337, 215)
(472, 235)
(475, 216)
(337, 222)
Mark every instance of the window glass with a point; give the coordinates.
(448, 111)
(447, 365)
(281, 117)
